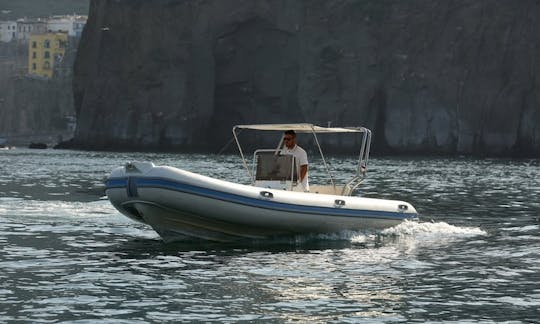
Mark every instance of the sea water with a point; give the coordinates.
(67, 255)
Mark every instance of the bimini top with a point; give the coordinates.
(313, 129)
(302, 128)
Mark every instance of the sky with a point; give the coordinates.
(13, 9)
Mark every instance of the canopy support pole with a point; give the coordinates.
(323, 159)
(278, 148)
(242, 154)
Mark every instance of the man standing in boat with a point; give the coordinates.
(300, 156)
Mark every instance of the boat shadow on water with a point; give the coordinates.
(405, 237)
(408, 236)
(143, 248)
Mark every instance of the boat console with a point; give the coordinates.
(273, 170)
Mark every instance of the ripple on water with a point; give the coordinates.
(73, 257)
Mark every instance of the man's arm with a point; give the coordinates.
(303, 171)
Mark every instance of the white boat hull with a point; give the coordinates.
(182, 205)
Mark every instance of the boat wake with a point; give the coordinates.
(58, 209)
(408, 231)
(104, 216)
(432, 229)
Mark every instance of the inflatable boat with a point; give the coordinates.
(181, 205)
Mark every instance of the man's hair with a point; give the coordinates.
(290, 132)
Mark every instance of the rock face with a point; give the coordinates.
(427, 76)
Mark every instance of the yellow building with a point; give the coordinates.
(44, 52)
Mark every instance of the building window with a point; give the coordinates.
(34, 45)
(46, 65)
(47, 44)
(34, 66)
(34, 55)
(61, 44)
(47, 54)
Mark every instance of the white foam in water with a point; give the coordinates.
(55, 208)
(408, 228)
(347, 235)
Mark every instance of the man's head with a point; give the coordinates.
(289, 138)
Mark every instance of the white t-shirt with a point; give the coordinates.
(300, 157)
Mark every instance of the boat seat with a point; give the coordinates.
(326, 189)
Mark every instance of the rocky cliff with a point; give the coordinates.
(427, 76)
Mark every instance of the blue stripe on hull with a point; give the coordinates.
(118, 183)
